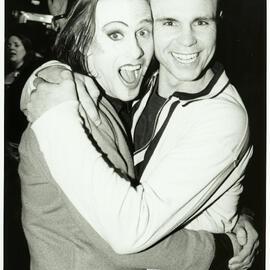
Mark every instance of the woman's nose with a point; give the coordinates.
(135, 49)
(11, 46)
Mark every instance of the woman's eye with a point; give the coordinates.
(143, 33)
(115, 36)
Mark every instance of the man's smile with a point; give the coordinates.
(185, 58)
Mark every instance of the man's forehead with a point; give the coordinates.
(183, 8)
(170, 2)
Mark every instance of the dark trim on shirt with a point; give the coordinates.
(217, 69)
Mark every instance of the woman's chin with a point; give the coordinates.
(130, 96)
(124, 95)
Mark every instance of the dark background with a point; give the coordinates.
(242, 50)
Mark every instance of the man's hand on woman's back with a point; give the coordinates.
(56, 84)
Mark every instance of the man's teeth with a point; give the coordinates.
(185, 58)
(130, 73)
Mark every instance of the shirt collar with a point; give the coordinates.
(217, 70)
(217, 84)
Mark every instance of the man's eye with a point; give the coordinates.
(115, 36)
(202, 23)
(168, 23)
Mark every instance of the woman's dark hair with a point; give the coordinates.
(73, 41)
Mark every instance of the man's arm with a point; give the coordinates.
(140, 216)
(53, 73)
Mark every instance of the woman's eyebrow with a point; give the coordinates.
(147, 20)
(114, 22)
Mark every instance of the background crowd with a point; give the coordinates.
(242, 50)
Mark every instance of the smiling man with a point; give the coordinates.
(185, 41)
(199, 125)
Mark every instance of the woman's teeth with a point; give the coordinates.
(130, 73)
(185, 58)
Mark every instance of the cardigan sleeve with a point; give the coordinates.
(132, 219)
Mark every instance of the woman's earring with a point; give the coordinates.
(91, 67)
(92, 72)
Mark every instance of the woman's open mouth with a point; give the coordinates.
(130, 74)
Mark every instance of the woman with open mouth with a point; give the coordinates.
(111, 41)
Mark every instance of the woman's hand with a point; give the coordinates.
(248, 239)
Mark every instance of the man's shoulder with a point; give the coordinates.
(219, 110)
(226, 103)
(221, 116)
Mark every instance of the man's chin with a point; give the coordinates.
(187, 76)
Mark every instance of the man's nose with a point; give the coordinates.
(187, 36)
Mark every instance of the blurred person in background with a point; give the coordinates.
(20, 61)
(58, 9)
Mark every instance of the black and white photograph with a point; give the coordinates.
(134, 135)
